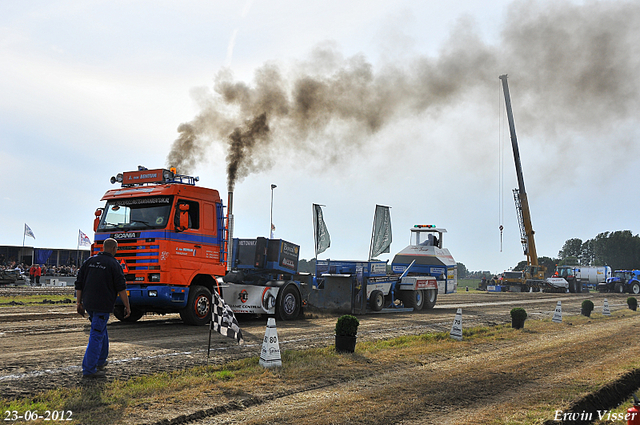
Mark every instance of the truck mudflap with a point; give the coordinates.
(251, 299)
(280, 298)
(158, 296)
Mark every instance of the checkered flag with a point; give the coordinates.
(223, 320)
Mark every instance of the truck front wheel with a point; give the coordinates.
(288, 304)
(135, 315)
(198, 309)
(619, 288)
(635, 288)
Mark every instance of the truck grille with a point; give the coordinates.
(139, 254)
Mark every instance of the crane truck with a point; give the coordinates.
(533, 275)
(175, 249)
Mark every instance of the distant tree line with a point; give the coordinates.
(620, 250)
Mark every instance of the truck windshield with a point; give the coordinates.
(136, 213)
(425, 238)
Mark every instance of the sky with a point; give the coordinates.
(362, 103)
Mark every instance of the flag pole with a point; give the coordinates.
(373, 232)
(315, 233)
(77, 247)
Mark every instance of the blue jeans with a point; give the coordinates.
(98, 346)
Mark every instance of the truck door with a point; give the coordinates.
(188, 241)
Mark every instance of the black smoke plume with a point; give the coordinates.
(576, 69)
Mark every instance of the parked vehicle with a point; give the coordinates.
(580, 276)
(622, 281)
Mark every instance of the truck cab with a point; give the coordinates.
(171, 242)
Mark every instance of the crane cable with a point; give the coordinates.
(500, 165)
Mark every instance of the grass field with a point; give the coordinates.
(120, 402)
(11, 301)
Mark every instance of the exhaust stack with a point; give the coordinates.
(229, 243)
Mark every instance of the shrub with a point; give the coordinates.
(632, 302)
(587, 305)
(518, 313)
(347, 325)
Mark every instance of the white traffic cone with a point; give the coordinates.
(605, 308)
(557, 315)
(270, 354)
(456, 328)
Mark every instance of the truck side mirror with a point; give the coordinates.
(96, 221)
(182, 218)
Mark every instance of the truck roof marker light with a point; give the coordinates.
(425, 226)
(168, 175)
(117, 179)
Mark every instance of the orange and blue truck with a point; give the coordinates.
(175, 248)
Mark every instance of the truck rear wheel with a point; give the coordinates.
(413, 299)
(135, 315)
(619, 288)
(288, 303)
(635, 288)
(376, 300)
(431, 296)
(198, 309)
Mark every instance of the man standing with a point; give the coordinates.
(37, 274)
(100, 280)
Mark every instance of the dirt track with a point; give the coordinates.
(41, 346)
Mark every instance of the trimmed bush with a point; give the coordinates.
(518, 316)
(632, 302)
(587, 308)
(518, 313)
(347, 325)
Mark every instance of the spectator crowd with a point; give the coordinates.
(44, 270)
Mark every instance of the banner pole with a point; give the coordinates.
(373, 232)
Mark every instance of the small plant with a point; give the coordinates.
(632, 302)
(347, 325)
(587, 308)
(519, 313)
(518, 316)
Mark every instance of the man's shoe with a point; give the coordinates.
(101, 374)
(103, 365)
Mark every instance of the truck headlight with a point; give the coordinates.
(154, 277)
(153, 293)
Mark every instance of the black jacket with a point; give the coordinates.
(100, 279)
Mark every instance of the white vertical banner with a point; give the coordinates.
(320, 231)
(381, 233)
